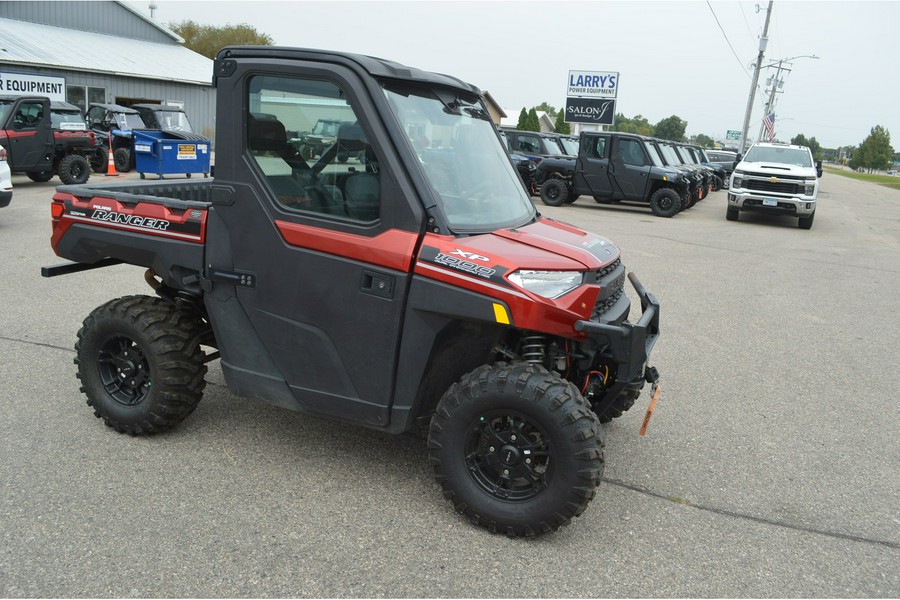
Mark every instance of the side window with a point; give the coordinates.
(631, 153)
(28, 115)
(529, 144)
(305, 137)
(595, 147)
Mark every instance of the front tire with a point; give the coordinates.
(732, 213)
(554, 192)
(40, 176)
(806, 222)
(140, 364)
(74, 169)
(122, 160)
(665, 202)
(516, 449)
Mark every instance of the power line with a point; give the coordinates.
(741, 6)
(726, 37)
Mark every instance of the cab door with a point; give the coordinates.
(592, 165)
(629, 168)
(317, 251)
(28, 129)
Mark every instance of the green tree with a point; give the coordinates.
(522, 125)
(545, 106)
(533, 123)
(670, 128)
(704, 141)
(639, 125)
(811, 143)
(209, 39)
(561, 125)
(875, 152)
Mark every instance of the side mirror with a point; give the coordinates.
(819, 168)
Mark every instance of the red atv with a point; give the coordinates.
(386, 289)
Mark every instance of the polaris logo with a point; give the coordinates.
(133, 220)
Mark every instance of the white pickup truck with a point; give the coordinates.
(775, 179)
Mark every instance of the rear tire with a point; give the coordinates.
(732, 213)
(554, 192)
(665, 202)
(74, 169)
(140, 364)
(40, 176)
(100, 161)
(516, 449)
(806, 222)
(122, 159)
(572, 198)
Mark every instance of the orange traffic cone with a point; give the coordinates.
(111, 165)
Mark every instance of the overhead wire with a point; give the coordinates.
(725, 35)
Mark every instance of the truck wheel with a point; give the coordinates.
(806, 222)
(140, 364)
(665, 202)
(40, 176)
(718, 184)
(554, 192)
(731, 213)
(122, 159)
(516, 449)
(74, 168)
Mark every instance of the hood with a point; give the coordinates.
(776, 169)
(543, 245)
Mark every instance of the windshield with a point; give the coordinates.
(462, 158)
(569, 146)
(327, 128)
(773, 154)
(703, 156)
(173, 120)
(685, 155)
(130, 121)
(668, 153)
(553, 146)
(655, 158)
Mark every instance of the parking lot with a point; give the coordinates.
(770, 468)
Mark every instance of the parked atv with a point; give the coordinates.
(419, 291)
(34, 146)
(112, 124)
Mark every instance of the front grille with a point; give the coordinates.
(781, 187)
(611, 280)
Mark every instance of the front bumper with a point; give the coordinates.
(630, 344)
(799, 206)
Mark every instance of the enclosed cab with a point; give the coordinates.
(164, 117)
(778, 179)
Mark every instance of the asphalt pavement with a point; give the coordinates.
(770, 468)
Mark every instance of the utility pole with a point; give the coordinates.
(762, 50)
(770, 103)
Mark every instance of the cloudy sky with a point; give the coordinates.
(673, 57)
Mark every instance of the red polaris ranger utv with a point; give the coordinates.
(410, 284)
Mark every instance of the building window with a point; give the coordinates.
(83, 96)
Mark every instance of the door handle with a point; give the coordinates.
(377, 284)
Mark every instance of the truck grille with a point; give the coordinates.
(782, 187)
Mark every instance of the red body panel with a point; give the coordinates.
(482, 264)
(148, 218)
(392, 249)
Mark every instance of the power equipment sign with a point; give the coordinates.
(591, 97)
(18, 84)
(593, 84)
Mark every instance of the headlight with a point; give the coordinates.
(736, 181)
(549, 284)
(810, 188)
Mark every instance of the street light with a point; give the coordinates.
(770, 104)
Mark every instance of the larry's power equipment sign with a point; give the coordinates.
(18, 84)
(591, 97)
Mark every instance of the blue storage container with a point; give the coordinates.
(169, 152)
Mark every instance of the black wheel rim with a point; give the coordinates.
(124, 372)
(666, 203)
(508, 456)
(552, 192)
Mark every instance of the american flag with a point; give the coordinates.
(769, 124)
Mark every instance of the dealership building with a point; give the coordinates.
(101, 52)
